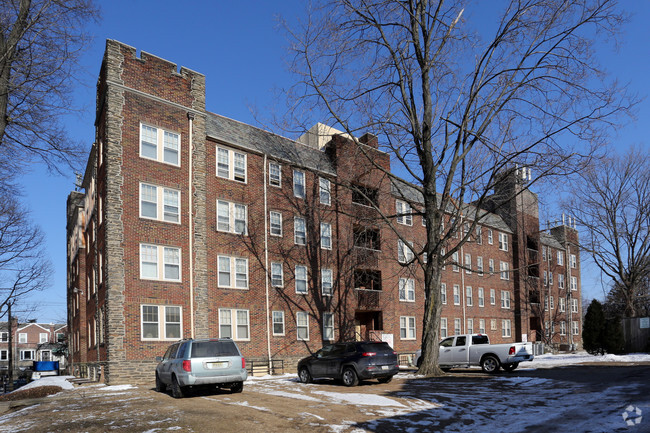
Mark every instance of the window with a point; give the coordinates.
(456, 294)
(157, 261)
(481, 326)
(560, 281)
(443, 293)
(302, 325)
(159, 203)
(233, 266)
(328, 326)
(560, 258)
(503, 241)
(505, 299)
(550, 278)
(404, 252)
(479, 265)
(574, 283)
(278, 323)
(4, 355)
(443, 327)
(275, 174)
(454, 259)
(42, 337)
(479, 235)
(493, 324)
(575, 327)
(232, 217)
(22, 337)
(481, 297)
(543, 253)
(365, 196)
(234, 324)
(491, 266)
(367, 279)
(407, 327)
(561, 305)
(275, 223)
(506, 330)
(366, 237)
(277, 275)
(151, 139)
(493, 297)
(301, 279)
(231, 164)
(299, 231)
(504, 267)
(457, 329)
(468, 263)
(552, 303)
(27, 355)
(160, 322)
(470, 326)
(326, 282)
(574, 305)
(4, 336)
(489, 236)
(298, 184)
(468, 297)
(324, 189)
(326, 236)
(562, 327)
(573, 261)
(546, 303)
(403, 212)
(407, 289)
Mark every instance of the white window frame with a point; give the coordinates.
(4, 337)
(504, 270)
(560, 281)
(302, 322)
(327, 282)
(506, 328)
(503, 241)
(481, 297)
(22, 337)
(456, 294)
(404, 213)
(561, 305)
(443, 327)
(469, 300)
(161, 262)
(325, 191)
(277, 318)
(493, 297)
(574, 283)
(562, 327)
(407, 329)
(468, 263)
(505, 299)
(573, 261)
(491, 266)
(481, 326)
(32, 356)
(300, 276)
(161, 193)
(328, 326)
(404, 252)
(232, 272)
(229, 317)
(552, 305)
(574, 305)
(233, 156)
(490, 236)
(233, 210)
(4, 354)
(454, 266)
(277, 224)
(560, 257)
(299, 237)
(479, 265)
(275, 181)
(277, 274)
(161, 144)
(458, 326)
(443, 293)
(406, 289)
(299, 184)
(575, 327)
(470, 326)
(493, 324)
(42, 337)
(326, 236)
(161, 322)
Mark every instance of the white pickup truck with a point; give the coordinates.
(475, 349)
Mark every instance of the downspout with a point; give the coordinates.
(463, 288)
(190, 117)
(266, 264)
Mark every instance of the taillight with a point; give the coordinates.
(512, 350)
(187, 365)
(368, 353)
(243, 362)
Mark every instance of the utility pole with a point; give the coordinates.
(10, 371)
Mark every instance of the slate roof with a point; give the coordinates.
(548, 240)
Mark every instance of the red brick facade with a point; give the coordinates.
(156, 250)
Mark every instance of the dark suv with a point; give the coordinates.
(350, 362)
(192, 363)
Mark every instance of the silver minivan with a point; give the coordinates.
(201, 362)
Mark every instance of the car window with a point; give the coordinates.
(168, 353)
(325, 351)
(350, 348)
(173, 351)
(480, 339)
(447, 342)
(378, 347)
(207, 349)
(183, 350)
(338, 349)
(460, 341)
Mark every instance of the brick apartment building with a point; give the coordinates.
(30, 342)
(190, 224)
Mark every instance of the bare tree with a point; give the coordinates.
(40, 44)
(455, 110)
(612, 202)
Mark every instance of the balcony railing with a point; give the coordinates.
(367, 299)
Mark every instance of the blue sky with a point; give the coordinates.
(242, 52)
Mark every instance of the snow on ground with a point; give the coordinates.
(60, 381)
(550, 361)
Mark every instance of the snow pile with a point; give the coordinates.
(550, 361)
(60, 381)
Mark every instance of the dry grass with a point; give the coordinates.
(38, 392)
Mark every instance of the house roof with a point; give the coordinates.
(548, 240)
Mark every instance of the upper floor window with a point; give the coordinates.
(275, 174)
(160, 263)
(299, 231)
(574, 283)
(277, 275)
(326, 236)
(505, 270)
(479, 235)
(301, 279)
(302, 325)
(231, 217)
(407, 289)
(326, 282)
(231, 164)
(505, 299)
(404, 213)
(298, 183)
(365, 196)
(560, 258)
(22, 337)
(573, 261)
(42, 337)
(160, 203)
(404, 251)
(328, 326)
(366, 237)
(503, 241)
(443, 293)
(278, 323)
(4, 337)
(275, 222)
(159, 145)
(489, 236)
(325, 194)
(233, 272)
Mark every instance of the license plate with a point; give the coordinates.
(213, 365)
(384, 367)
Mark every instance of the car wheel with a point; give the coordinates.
(445, 369)
(510, 367)
(304, 375)
(490, 364)
(160, 387)
(350, 377)
(237, 387)
(177, 389)
(385, 379)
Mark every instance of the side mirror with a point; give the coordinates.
(159, 358)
